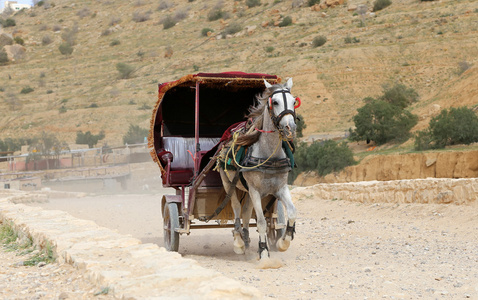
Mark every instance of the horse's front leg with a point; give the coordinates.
(261, 222)
(239, 246)
(283, 243)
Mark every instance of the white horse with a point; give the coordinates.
(266, 167)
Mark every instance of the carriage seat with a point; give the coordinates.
(182, 164)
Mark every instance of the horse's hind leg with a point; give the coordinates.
(246, 219)
(283, 243)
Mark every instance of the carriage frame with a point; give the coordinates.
(188, 121)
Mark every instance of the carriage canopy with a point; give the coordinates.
(202, 106)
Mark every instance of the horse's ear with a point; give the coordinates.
(268, 85)
(289, 84)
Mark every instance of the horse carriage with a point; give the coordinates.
(222, 166)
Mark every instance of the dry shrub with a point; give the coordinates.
(141, 16)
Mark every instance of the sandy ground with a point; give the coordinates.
(342, 250)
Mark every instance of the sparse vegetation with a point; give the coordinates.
(319, 41)
(125, 71)
(3, 57)
(350, 40)
(312, 2)
(285, 22)
(463, 66)
(300, 125)
(165, 4)
(253, 3)
(84, 12)
(115, 42)
(66, 48)
(269, 49)
(8, 22)
(46, 40)
(381, 4)
(26, 90)
(19, 40)
(205, 31)
(141, 16)
(135, 135)
(322, 157)
(450, 127)
(168, 22)
(87, 138)
(69, 35)
(232, 28)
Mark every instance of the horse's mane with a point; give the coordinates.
(254, 117)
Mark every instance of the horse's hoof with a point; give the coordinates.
(283, 244)
(264, 255)
(240, 250)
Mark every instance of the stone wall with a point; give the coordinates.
(130, 269)
(431, 190)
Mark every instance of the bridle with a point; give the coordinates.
(276, 119)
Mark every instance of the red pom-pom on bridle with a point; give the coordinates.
(297, 103)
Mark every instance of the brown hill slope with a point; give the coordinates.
(420, 44)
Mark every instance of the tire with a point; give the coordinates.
(171, 222)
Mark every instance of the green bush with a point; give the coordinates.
(66, 48)
(125, 71)
(285, 22)
(216, 14)
(26, 90)
(450, 127)
(88, 138)
(3, 57)
(135, 135)
(269, 49)
(300, 125)
(232, 28)
(168, 22)
(8, 22)
(115, 42)
(46, 40)
(319, 41)
(321, 157)
(19, 40)
(312, 2)
(253, 3)
(205, 31)
(399, 95)
(350, 40)
(62, 109)
(381, 4)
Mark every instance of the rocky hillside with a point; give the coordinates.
(428, 45)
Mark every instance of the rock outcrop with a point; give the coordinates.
(456, 164)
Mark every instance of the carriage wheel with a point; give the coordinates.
(274, 233)
(171, 222)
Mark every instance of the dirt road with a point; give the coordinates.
(342, 250)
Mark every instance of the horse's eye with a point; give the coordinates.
(275, 103)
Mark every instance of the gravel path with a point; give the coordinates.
(342, 249)
(51, 281)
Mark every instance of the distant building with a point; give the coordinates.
(15, 6)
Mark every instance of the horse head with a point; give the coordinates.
(281, 105)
